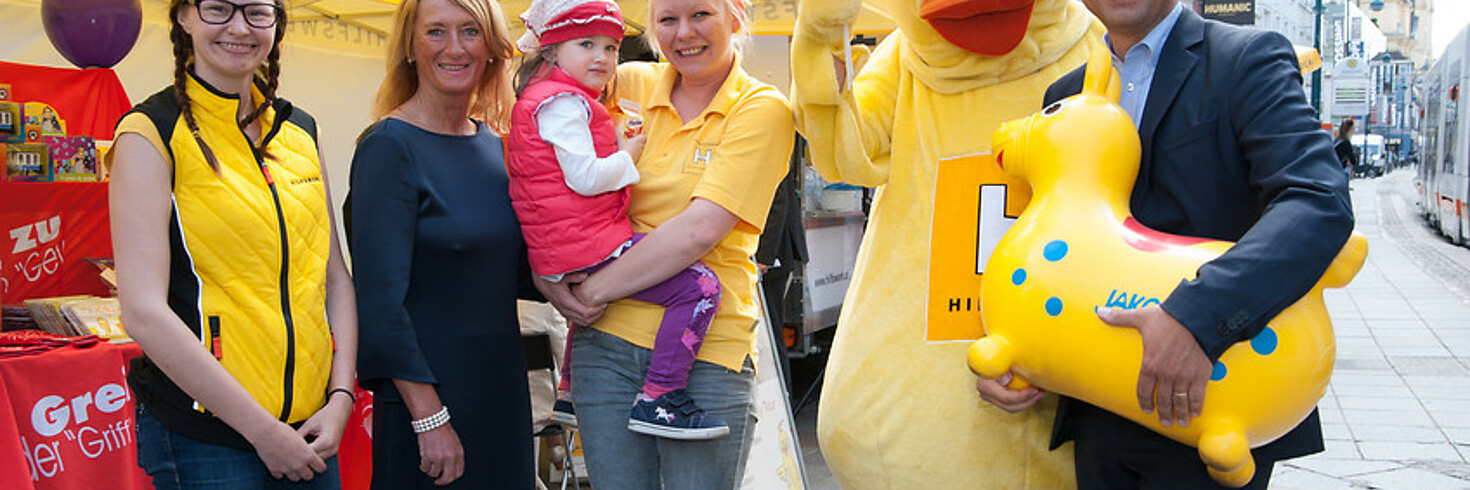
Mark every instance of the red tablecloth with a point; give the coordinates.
(66, 421)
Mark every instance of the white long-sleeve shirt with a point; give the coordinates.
(563, 120)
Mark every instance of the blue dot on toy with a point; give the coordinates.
(1264, 343)
(1055, 250)
(1219, 372)
(1054, 306)
(1018, 277)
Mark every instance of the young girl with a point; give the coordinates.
(569, 172)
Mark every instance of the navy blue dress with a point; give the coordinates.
(438, 262)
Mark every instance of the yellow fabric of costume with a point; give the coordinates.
(898, 410)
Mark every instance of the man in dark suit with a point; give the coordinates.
(1231, 151)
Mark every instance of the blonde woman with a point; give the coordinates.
(439, 258)
(717, 147)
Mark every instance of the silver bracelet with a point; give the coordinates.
(431, 422)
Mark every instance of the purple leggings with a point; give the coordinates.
(690, 300)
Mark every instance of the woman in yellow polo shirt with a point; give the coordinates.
(717, 147)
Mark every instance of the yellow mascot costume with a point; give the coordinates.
(1077, 248)
(899, 408)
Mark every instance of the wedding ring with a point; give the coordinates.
(1182, 394)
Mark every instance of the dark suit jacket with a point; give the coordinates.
(1233, 151)
(784, 237)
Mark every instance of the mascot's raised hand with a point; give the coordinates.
(820, 33)
(824, 21)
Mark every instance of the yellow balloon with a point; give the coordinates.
(1077, 247)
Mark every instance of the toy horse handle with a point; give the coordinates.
(1100, 79)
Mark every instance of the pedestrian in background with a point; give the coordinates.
(1343, 145)
(782, 251)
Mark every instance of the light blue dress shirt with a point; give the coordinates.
(1137, 71)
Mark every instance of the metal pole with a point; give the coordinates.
(1317, 44)
(1366, 160)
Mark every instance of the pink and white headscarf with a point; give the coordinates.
(552, 21)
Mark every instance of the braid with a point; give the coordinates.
(183, 50)
(272, 70)
(272, 73)
(268, 97)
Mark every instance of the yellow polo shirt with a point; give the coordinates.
(734, 154)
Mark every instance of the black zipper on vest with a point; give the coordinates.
(288, 377)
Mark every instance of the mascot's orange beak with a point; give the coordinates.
(985, 27)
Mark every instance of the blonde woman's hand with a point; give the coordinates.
(286, 454)
(440, 455)
(566, 302)
(324, 428)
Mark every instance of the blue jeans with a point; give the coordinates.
(607, 374)
(178, 463)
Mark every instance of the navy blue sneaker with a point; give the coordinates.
(564, 413)
(675, 416)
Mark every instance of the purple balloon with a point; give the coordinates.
(92, 33)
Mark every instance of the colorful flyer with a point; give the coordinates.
(73, 158)
(27, 162)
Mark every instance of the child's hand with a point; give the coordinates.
(633, 146)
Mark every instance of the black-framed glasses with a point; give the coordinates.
(257, 15)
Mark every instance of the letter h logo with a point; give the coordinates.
(703, 156)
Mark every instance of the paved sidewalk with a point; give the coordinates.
(1397, 413)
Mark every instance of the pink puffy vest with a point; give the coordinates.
(564, 231)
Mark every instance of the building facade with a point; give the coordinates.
(1292, 18)
(1371, 50)
(1405, 25)
(1394, 109)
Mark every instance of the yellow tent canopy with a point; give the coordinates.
(769, 16)
(374, 15)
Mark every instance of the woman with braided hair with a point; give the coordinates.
(228, 265)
